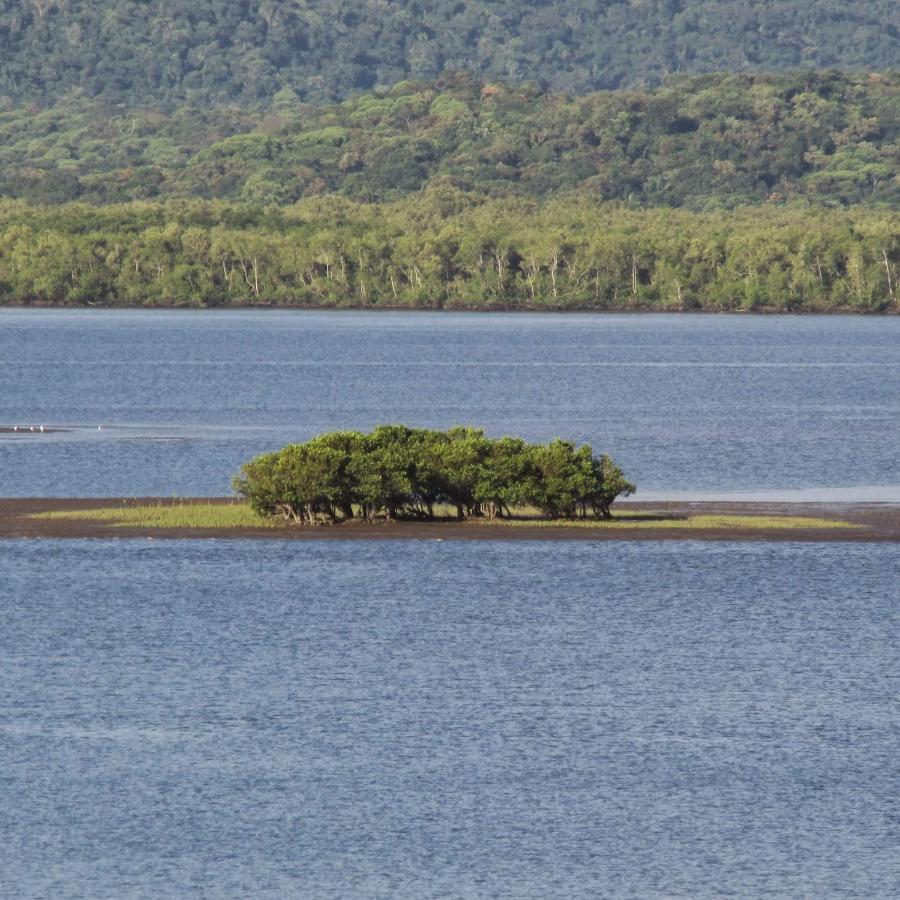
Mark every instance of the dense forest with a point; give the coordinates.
(446, 248)
(162, 52)
(399, 472)
(703, 142)
(611, 154)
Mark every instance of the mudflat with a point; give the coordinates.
(867, 522)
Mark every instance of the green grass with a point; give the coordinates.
(651, 520)
(179, 515)
(240, 515)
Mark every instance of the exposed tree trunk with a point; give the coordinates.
(362, 283)
(887, 268)
(499, 262)
(554, 265)
(531, 277)
(251, 275)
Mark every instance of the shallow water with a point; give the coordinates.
(687, 404)
(232, 719)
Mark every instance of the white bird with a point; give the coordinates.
(42, 429)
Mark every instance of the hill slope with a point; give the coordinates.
(158, 51)
(702, 142)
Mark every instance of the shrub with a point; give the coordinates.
(400, 472)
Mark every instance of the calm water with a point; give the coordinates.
(441, 719)
(685, 403)
(446, 719)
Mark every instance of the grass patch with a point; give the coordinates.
(240, 515)
(696, 523)
(178, 515)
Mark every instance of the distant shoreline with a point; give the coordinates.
(869, 522)
(382, 308)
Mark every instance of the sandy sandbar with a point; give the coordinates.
(875, 521)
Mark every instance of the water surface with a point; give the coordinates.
(443, 719)
(719, 404)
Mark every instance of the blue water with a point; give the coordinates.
(439, 719)
(686, 404)
(442, 719)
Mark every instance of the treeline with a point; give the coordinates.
(155, 51)
(399, 472)
(705, 142)
(446, 248)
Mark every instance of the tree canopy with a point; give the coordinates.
(703, 142)
(446, 248)
(160, 52)
(400, 472)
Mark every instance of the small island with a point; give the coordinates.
(400, 473)
(204, 518)
(397, 482)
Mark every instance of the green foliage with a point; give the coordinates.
(702, 142)
(153, 51)
(444, 248)
(397, 471)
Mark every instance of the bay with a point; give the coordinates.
(688, 405)
(438, 718)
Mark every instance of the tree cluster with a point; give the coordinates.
(704, 142)
(448, 249)
(158, 51)
(399, 472)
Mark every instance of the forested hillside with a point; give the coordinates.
(444, 248)
(612, 154)
(703, 142)
(156, 52)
